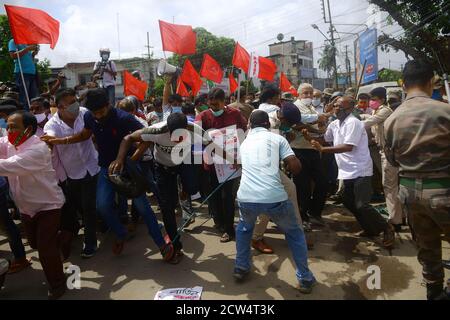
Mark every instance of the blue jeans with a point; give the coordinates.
(110, 212)
(30, 84)
(12, 231)
(283, 214)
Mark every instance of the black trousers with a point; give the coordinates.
(357, 194)
(222, 203)
(311, 199)
(80, 198)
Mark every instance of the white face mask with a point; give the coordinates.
(40, 117)
(316, 102)
(306, 102)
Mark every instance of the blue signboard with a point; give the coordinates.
(369, 53)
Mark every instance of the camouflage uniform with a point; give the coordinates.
(417, 137)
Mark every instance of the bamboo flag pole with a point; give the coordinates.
(23, 79)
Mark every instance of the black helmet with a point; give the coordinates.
(131, 182)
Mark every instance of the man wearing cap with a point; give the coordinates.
(389, 172)
(261, 191)
(417, 142)
(106, 71)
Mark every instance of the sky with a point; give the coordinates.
(87, 25)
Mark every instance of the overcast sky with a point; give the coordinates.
(88, 25)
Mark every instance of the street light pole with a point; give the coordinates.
(333, 45)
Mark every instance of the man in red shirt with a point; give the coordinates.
(221, 204)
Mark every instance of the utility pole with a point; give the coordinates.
(333, 44)
(149, 56)
(118, 34)
(348, 67)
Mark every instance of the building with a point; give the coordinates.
(295, 59)
(80, 73)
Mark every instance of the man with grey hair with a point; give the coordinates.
(311, 199)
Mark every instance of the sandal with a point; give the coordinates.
(226, 238)
(178, 255)
(17, 266)
(167, 251)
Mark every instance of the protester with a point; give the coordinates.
(157, 115)
(311, 199)
(26, 162)
(109, 126)
(29, 82)
(201, 103)
(261, 191)
(77, 169)
(40, 108)
(221, 204)
(270, 99)
(317, 101)
(416, 141)
(363, 104)
(350, 146)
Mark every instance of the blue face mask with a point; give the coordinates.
(176, 110)
(3, 123)
(217, 113)
(285, 128)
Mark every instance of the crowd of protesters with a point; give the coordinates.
(75, 158)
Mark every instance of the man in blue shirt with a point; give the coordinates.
(28, 69)
(261, 191)
(109, 126)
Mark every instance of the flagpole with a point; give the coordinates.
(239, 85)
(23, 79)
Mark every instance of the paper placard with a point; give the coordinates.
(194, 293)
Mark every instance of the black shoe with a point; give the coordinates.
(434, 291)
(240, 274)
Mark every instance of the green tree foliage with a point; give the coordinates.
(326, 59)
(44, 72)
(6, 63)
(158, 87)
(386, 75)
(427, 30)
(220, 48)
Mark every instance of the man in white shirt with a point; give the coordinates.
(261, 191)
(350, 146)
(317, 101)
(26, 161)
(76, 167)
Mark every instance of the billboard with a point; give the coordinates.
(368, 52)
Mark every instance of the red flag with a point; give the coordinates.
(181, 88)
(241, 58)
(233, 83)
(286, 86)
(210, 69)
(177, 38)
(133, 86)
(262, 68)
(32, 26)
(191, 77)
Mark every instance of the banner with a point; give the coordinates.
(369, 53)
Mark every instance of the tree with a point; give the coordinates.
(44, 72)
(158, 87)
(326, 60)
(386, 75)
(220, 48)
(6, 63)
(427, 30)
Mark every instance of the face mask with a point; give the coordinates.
(306, 102)
(285, 128)
(3, 123)
(105, 56)
(40, 117)
(342, 114)
(17, 138)
(177, 110)
(203, 108)
(374, 104)
(217, 113)
(74, 108)
(159, 114)
(316, 102)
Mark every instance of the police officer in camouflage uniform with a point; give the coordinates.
(417, 139)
